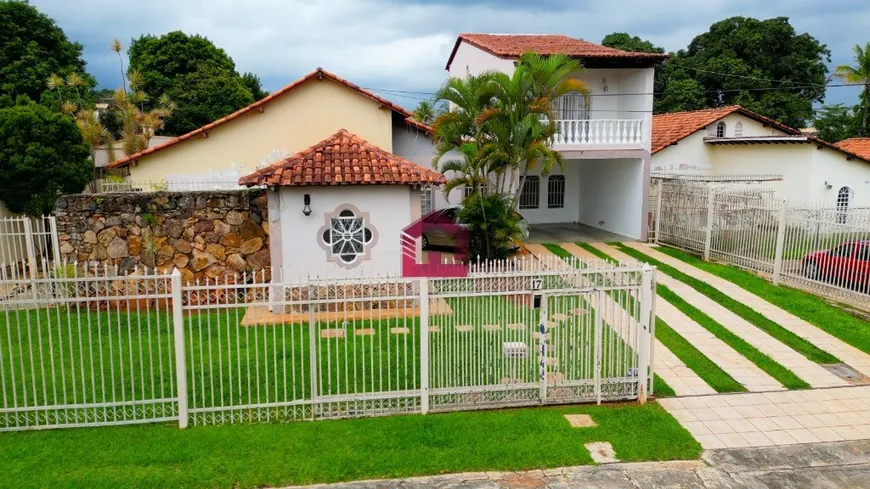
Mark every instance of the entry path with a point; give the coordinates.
(854, 357)
(727, 358)
(811, 372)
(671, 369)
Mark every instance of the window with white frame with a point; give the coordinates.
(844, 198)
(556, 191)
(720, 130)
(738, 130)
(531, 193)
(426, 201)
(347, 236)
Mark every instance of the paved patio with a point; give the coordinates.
(570, 233)
(830, 465)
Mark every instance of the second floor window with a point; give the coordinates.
(720, 130)
(571, 107)
(530, 196)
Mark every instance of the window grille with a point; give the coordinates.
(556, 192)
(530, 196)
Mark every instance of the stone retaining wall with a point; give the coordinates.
(211, 234)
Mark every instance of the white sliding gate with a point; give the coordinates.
(96, 350)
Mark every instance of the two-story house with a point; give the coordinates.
(605, 141)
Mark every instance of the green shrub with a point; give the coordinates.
(493, 226)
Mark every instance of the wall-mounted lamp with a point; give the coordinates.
(604, 85)
(828, 185)
(306, 207)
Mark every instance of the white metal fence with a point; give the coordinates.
(124, 186)
(27, 244)
(98, 349)
(819, 247)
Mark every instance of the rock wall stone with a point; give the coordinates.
(213, 234)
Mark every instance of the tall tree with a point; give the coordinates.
(859, 73)
(32, 48)
(43, 156)
(192, 71)
(761, 64)
(627, 42)
(253, 84)
(834, 122)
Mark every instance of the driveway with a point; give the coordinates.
(837, 465)
(571, 233)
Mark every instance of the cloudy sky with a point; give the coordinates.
(403, 44)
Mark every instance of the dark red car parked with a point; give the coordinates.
(847, 265)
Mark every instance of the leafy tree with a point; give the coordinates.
(860, 74)
(32, 47)
(761, 64)
(626, 42)
(252, 83)
(43, 157)
(834, 122)
(685, 94)
(425, 112)
(192, 71)
(493, 225)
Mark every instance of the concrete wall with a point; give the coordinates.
(101, 154)
(414, 145)
(831, 166)
(571, 211)
(291, 123)
(611, 195)
(390, 208)
(474, 61)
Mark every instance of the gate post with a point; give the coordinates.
(599, 300)
(644, 339)
(312, 350)
(180, 362)
(780, 244)
(424, 345)
(28, 243)
(708, 231)
(542, 341)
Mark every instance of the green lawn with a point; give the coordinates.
(696, 361)
(250, 456)
(752, 316)
(811, 308)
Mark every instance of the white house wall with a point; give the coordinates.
(472, 60)
(831, 166)
(389, 208)
(571, 211)
(611, 195)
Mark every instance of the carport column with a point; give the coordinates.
(424, 345)
(180, 363)
(780, 244)
(644, 339)
(708, 234)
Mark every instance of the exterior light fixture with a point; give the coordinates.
(604, 85)
(828, 186)
(306, 207)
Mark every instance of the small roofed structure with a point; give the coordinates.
(339, 207)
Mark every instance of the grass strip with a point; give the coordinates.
(790, 339)
(276, 455)
(696, 361)
(809, 307)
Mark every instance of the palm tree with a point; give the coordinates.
(117, 47)
(75, 81)
(56, 82)
(470, 171)
(468, 99)
(859, 74)
(425, 112)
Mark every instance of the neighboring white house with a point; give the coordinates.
(735, 141)
(338, 208)
(606, 142)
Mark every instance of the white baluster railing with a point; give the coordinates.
(599, 132)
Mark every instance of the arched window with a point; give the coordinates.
(530, 196)
(738, 129)
(844, 198)
(720, 130)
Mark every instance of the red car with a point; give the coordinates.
(847, 265)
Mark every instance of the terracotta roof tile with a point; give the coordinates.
(859, 146)
(343, 159)
(318, 73)
(514, 45)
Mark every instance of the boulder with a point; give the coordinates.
(90, 237)
(236, 262)
(106, 236)
(221, 228)
(216, 250)
(201, 260)
(231, 240)
(251, 246)
(117, 248)
(165, 254)
(259, 260)
(134, 244)
(187, 276)
(203, 226)
(235, 218)
(180, 260)
(250, 230)
(183, 247)
(66, 248)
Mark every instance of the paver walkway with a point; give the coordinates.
(811, 372)
(842, 465)
(775, 418)
(671, 369)
(730, 360)
(854, 357)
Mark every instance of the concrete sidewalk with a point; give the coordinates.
(829, 465)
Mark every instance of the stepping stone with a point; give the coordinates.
(492, 327)
(602, 452)
(552, 361)
(465, 328)
(580, 420)
(552, 324)
(434, 329)
(537, 335)
(559, 317)
(400, 330)
(509, 380)
(553, 377)
(578, 312)
(332, 333)
(364, 332)
(517, 326)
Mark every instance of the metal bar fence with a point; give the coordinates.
(27, 245)
(817, 246)
(94, 348)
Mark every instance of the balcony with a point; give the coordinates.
(600, 134)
